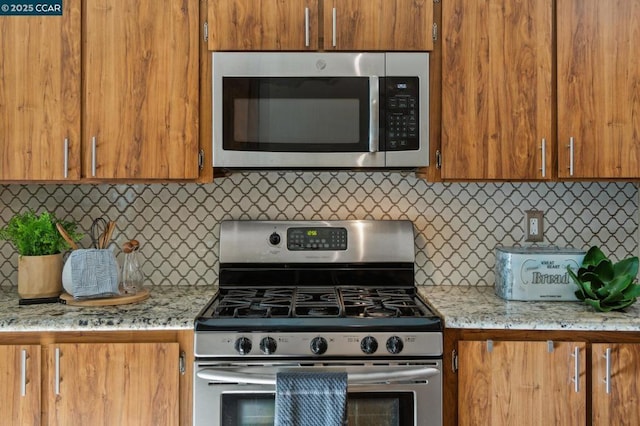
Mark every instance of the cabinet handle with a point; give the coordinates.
(57, 372)
(374, 120)
(607, 370)
(570, 146)
(543, 148)
(306, 26)
(335, 19)
(93, 156)
(576, 369)
(23, 372)
(66, 158)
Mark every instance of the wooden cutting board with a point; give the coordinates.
(68, 299)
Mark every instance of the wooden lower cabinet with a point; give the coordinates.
(113, 384)
(530, 377)
(20, 384)
(521, 383)
(96, 378)
(616, 389)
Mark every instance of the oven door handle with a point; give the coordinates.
(392, 375)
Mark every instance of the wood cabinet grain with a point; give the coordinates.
(263, 25)
(113, 383)
(497, 90)
(508, 380)
(40, 96)
(523, 383)
(310, 25)
(107, 91)
(140, 377)
(140, 88)
(20, 384)
(598, 89)
(384, 25)
(616, 388)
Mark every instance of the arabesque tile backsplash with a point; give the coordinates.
(457, 225)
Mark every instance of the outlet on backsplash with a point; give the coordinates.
(534, 226)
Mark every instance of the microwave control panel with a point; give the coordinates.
(401, 113)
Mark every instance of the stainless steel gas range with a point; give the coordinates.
(319, 296)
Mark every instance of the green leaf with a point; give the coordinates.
(606, 286)
(37, 235)
(632, 292)
(604, 270)
(593, 256)
(617, 286)
(627, 266)
(620, 305)
(595, 304)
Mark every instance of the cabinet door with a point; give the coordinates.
(141, 89)
(263, 25)
(378, 25)
(40, 95)
(20, 384)
(113, 384)
(598, 89)
(523, 383)
(615, 399)
(496, 89)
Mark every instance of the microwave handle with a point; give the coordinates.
(391, 375)
(374, 115)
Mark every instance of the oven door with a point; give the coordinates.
(274, 110)
(398, 394)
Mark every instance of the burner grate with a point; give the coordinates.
(317, 302)
(254, 303)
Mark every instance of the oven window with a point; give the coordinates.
(296, 114)
(364, 409)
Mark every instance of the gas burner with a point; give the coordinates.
(316, 302)
(380, 312)
(254, 303)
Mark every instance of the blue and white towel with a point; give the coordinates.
(94, 273)
(311, 399)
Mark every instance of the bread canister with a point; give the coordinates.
(536, 273)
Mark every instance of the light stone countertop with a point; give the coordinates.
(480, 308)
(167, 308)
(175, 308)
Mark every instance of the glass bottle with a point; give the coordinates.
(132, 277)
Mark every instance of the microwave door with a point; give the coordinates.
(297, 121)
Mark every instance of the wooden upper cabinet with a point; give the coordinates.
(383, 25)
(20, 384)
(497, 89)
(521, 383)
(141, 82)
(299, 25)
(615, 396)
(40, 96)
(263, 25)
(598, 89)
(113, 384)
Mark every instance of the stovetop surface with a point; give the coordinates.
(317, 308)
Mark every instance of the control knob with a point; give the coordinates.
(319, 345)
(274, 239)
(394, 345)
(268, 345)
(243, 345)
(369, 345)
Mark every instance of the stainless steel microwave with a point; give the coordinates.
(320, 110)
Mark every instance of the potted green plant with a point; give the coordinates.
(40, 246)
(604, 285)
